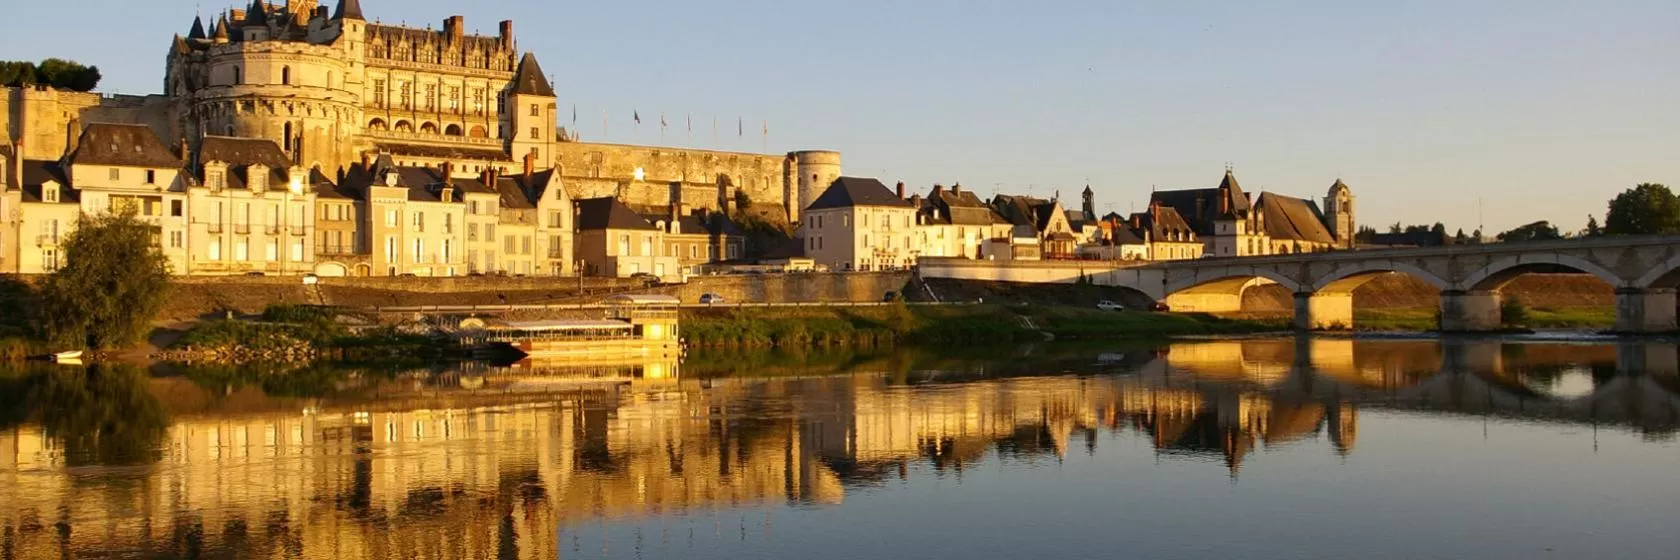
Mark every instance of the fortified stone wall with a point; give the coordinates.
(603, 170)
(40, 117)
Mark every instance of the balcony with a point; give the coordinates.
(47, 240)
(213, 228)
(336, 250)
(300, 232)
(242, 229)
(271, 230)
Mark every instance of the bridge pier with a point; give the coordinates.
(1645, 311)
(1323, 311)
(1469, 311)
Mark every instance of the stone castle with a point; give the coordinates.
(333, 90)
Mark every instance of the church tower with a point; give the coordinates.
(1338, 211)
(531, 119)
(1089, 203)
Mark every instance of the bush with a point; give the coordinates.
(114, 282)
(1512, 312)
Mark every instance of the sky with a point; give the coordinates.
(1488, 112)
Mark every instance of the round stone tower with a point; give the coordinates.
(813, 172)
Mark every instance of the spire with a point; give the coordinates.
(529, 79)
(1088, 190)
(179, 45)
(221, 33)
(349, 9)
(197, 29)
(257, 15)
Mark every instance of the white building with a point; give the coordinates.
(858, 224)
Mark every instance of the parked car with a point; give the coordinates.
(889, 297)
(1160, 307)
(1107, 305)
(711, 299)
(645, 277)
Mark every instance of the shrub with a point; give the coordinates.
(114, 282)
(1512, 312)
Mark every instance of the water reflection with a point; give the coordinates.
(502, 461)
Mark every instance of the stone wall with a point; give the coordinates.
(40, 117)
(602, 170)
(794, 288)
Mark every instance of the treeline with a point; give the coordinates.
(54, 72)
(1645, 209)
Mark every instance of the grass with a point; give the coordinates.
(942, 325)
(1423, 319)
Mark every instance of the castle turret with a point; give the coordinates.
(814, 171)
(349, 9)
(530, 109)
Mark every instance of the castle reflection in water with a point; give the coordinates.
(500, 463)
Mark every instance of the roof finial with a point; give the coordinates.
(1229, 168)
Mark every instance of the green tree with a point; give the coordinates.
(55, 72)
(1592, 227)
(1537, 231)
(1648, 208)
(1460, 238)
(113, 283)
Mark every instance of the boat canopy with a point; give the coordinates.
(560, 325)
(643, 299)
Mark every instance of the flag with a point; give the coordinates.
(740, 128)
(574, 115)
(691, 122)
(766, 128)
(662, 124)
(636, 115)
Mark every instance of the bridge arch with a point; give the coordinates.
(1663, 275)
(1221, 292)
(1504, 269)
(1345, 279)
(1201, 282)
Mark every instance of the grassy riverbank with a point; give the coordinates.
(1422, 319)
(288, 333)
(942, 325)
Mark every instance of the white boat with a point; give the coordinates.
(68, 357)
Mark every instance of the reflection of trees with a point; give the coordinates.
(311, 381)
(102, 415)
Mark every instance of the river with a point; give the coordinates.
(1261, 448)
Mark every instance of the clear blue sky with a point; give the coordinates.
(1543, 109)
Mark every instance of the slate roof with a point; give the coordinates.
(513, 195)
(530, 80)
(348, 9)
(37, 172)
(959, 207)
(847, 192)
(125, 145)
(609, 213)
(1200, 207)
(1162, 222)
(1023, 211)
(1287, 217)
(1123, 235)
(325, 188)
(239, 154)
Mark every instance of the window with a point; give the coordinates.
(535, 134)
(390, 249)
(431, 97)
(419, 249)
(49, 195)
(405, 94)
(216, 249)
(176, 208)
(472, 232)
(272, 251)
(555, 218)
(647, 245)
(379, 93)
(534, 111)
(508, 245)
(694, 251)
(419, 220)
(390, 218)
(116, 174)
(449, 223)
(446, 251)
(175, 239)
(49, 259)
(151, 177)
(624, 245)
(455, 99)
(286, 75)
(237, 78)
(242, 250)
(525, 245)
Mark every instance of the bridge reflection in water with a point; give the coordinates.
(481, 462)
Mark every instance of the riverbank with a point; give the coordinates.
(296, 334)
(942, 325)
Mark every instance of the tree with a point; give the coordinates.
(1396, 228)
(55, 72)
(113, 283)
(1592, 227)
(1460, 238)
(1476, 236)
(1365, 234)
(1648, 208)
(1439, 231)
(1537, 231)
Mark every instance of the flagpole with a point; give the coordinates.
(766, 148)
(691, 130)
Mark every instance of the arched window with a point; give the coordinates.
(405, 126)
(377, 124)
(478, 132)
(452, 130)
(287, 142)
(428, 128)
(286, 75)
(329, 78)
(237, 79)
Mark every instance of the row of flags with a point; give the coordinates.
(664, 124)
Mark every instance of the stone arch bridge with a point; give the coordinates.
(1644, 270)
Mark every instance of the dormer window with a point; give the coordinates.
(49, 192)
(215, 180)
(151, 177)
(116, 174)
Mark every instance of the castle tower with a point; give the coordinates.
(1338, 211)
(814, 171)
(1089, 203)
(531, 115)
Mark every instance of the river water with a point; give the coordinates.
(1268, 448)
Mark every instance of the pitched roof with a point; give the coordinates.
(958, 207)
(351, 9)
(241, 151)
(609, 213)
(1163, 222)
(847, 192)
(513, 195)
(197, 31)
(530, 80)
(127, 145)
(1123, 235)
(1287, 217)
(257, 14)
(37, 172)
(325, 188)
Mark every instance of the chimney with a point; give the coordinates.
(956, 189)
(1224, 201)
(488, 176)
(507, 34)
(901, 190)
(937, 189)
(72, 136)
(16, 167)
(447, 169)
(1137, 221)
(676, 214)
(530, 164)
(1201, 201)
(366, 164)
(1155, 211)
(181, 150)
(454, 28)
